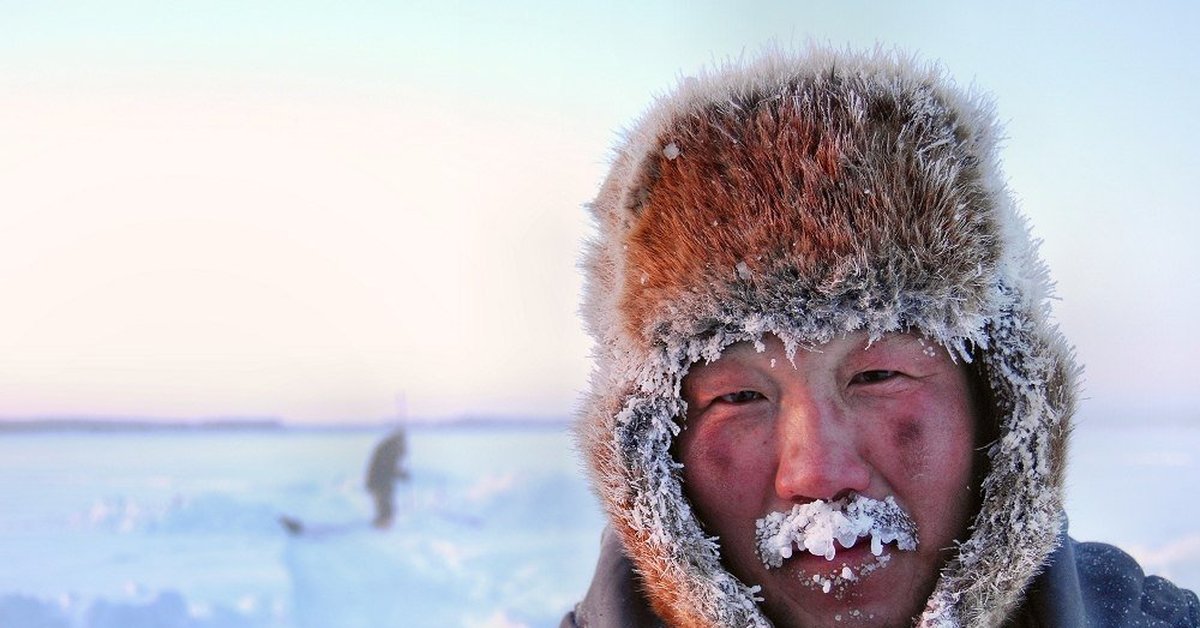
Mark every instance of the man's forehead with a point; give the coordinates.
(849, 341)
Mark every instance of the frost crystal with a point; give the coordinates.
(815, 526)
(671, 151)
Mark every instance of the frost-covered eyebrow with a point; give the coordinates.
(900, 346)
(722, 372)
(902, 340)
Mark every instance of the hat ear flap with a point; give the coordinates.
(646, 174)
(624, 194)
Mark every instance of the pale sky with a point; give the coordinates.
(304, 209)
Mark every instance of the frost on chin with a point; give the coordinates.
(817, 527)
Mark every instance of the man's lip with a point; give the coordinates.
(832, 578)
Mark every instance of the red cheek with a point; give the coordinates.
(709, 455)
(720, 459)
(908, 439)
(907, 434)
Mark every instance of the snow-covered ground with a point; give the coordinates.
(180, 529)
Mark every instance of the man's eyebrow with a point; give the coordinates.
(889, 341)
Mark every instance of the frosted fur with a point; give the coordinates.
(853, 192)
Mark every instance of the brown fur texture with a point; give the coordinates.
(796, 181)
(809, 195)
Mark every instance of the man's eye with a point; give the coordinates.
(741, 396)
(872, 377)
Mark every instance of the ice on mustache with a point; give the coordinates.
(816, 526)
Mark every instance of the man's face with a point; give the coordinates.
(764, 434)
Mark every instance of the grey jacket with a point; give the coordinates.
(1085, 585)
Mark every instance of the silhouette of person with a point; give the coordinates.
(383, 470)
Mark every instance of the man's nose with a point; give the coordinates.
(819, 453)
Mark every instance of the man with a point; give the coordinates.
(383, 470)
(826, 390)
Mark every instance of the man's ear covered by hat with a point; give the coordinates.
(821, 244)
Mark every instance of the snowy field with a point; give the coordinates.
(179, 529)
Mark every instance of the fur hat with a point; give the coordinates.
(809, 195)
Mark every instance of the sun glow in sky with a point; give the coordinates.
(304, 209)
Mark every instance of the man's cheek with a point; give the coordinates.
(908, 438)
(721, 470)
(719, 443)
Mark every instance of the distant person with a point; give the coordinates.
(383, 471)
(827, 391)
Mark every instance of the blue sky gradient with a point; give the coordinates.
(304, 209)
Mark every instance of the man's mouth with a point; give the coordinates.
(818, 527)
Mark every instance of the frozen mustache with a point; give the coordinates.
(816, 526)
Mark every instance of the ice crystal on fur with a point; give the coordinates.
(815, 526)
